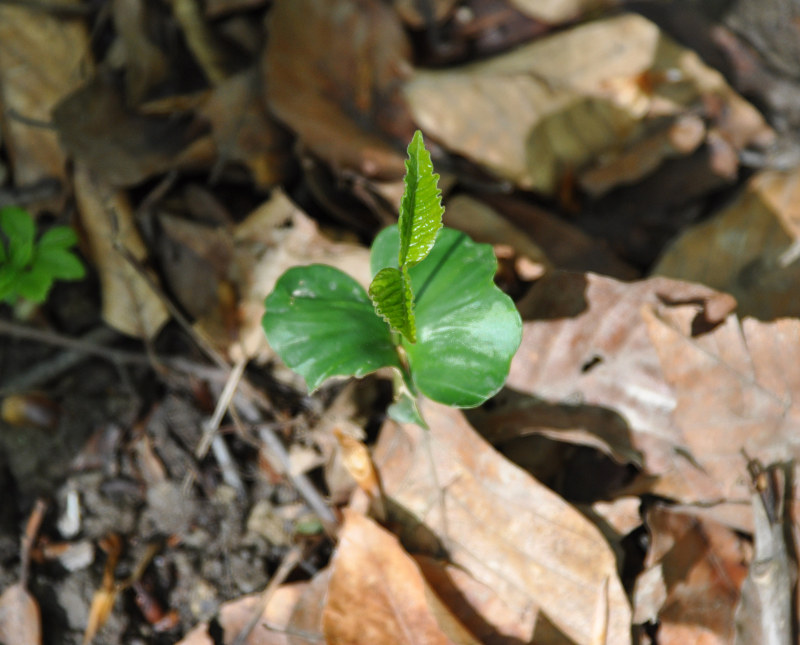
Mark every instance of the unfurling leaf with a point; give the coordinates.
(421, 206)
(390, 292)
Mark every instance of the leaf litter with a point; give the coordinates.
(609, 494)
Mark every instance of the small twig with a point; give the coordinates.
(301, 483)
(28, 538)
(223, 403)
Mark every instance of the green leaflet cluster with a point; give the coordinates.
(29, 267)
(432, 313)
(419, 224)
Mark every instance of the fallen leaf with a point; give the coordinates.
(333, 70)
(129, 303)
(377, 593)
(558, 11)
(588, 359)
(700, 566)
(41, 59)
(750, 249)
(20, 618)
(542, 560)
(735, 390)
(120, 146)
(575, 101)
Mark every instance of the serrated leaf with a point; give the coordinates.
(467, 329)
(321, 323)
(421, 206)
(390, 292)
(58, 237)
(20, 230)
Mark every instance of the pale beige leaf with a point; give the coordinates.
(377, 593)
(558, 11)
(575, 101)
(542, 560)
(42, 59)
(750, 249)
(20, 618)
(129, 303)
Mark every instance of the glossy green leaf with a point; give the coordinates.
(20, 230)
(390, 292)
(467, 329)
(321, 323)
(421, 206)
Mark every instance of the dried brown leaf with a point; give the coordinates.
(541, 559)
(20, 618)
(377, 593)
(333, 70)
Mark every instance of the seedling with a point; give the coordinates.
(28, 267)
(433, 312)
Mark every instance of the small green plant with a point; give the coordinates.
(29, 267)
(433, 312)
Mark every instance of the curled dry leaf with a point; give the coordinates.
(531, 553)
(129, 303)
(377, 593)
(575, 101)
(333, 70)
(749, 249)
(40, 59)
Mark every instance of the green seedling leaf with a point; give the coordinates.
(58, 263)
(390, 292)
(58, 237)
(467, 329)
(321, 323)
(421, 206)
(20, 230)
(33, 284)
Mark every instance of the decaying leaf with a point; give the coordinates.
(541, 559)
(574, 102)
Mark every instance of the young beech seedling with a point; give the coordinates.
(432, 312)
(29, 267)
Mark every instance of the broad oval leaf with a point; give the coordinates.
(467, 329)
(421, 206)
(390, 292)
(321, 323)
(20, 230)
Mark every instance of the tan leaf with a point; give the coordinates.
(749, 249)
(129, 303)
(587, 357)
(576, 101)
(333, 70)
(543, 561)
(377, 593)
(558, 11)
(20, 618)
(42, 57)
(736, 389)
